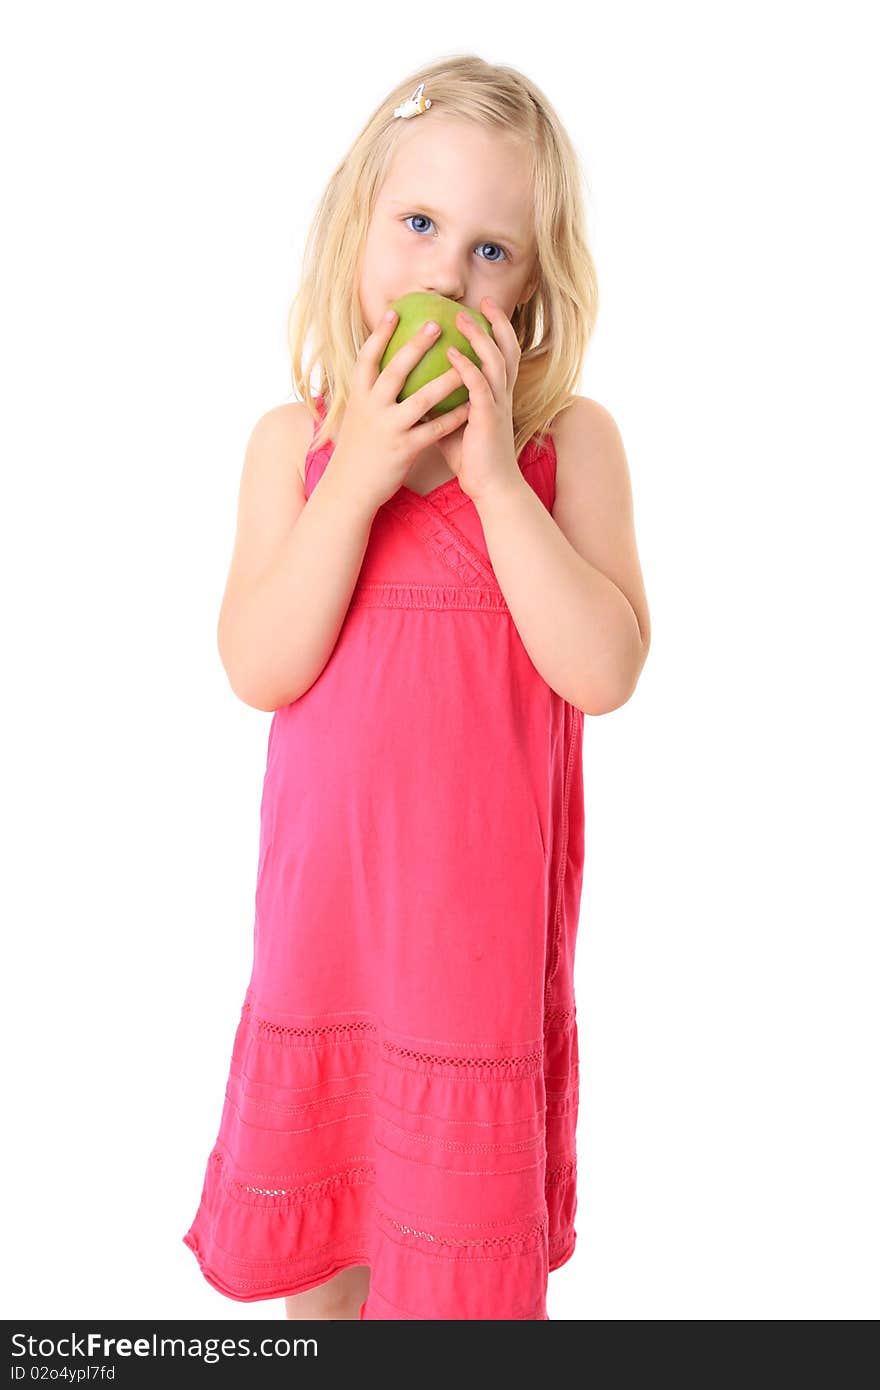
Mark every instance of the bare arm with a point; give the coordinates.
(572, 578)
(280, 619)
(295, 566)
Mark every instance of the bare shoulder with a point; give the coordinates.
(271, 493)
(593, 506)
(586, 441)
(292, 419)
(581, 413)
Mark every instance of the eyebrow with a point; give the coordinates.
(432, 212)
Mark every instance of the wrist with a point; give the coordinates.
(347, 489)
(500, 496)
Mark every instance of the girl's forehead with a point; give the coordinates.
(457, 153)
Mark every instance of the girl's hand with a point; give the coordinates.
(481, 451)
(380, 438)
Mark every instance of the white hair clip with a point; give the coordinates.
(414, 105)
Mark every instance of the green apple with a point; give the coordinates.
(413, 311)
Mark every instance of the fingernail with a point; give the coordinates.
(432, 327)
(390, 315)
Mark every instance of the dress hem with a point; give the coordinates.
(284, 1290)
(281, 1289)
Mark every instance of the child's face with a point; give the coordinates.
(453, 217)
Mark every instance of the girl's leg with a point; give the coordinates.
(338, 1298)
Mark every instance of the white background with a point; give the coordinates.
(161, 164)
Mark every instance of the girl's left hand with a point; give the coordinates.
(481, 452)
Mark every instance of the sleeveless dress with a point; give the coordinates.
(403, 1086)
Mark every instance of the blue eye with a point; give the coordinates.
(492, 261)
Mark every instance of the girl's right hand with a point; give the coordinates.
(380, 437)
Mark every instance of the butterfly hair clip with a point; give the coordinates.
(414, 105)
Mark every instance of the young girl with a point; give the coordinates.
(430, 607)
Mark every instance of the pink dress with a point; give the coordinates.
(403, 1087)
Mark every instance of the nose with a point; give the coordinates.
(447, 292)
(446, 281)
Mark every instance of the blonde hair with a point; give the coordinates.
(553, 327)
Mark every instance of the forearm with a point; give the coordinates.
(281, 633)
(579, 630)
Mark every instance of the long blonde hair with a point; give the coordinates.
(553, 327)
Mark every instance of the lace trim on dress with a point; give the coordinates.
(523, 1064)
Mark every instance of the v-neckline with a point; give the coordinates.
(432, 492)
